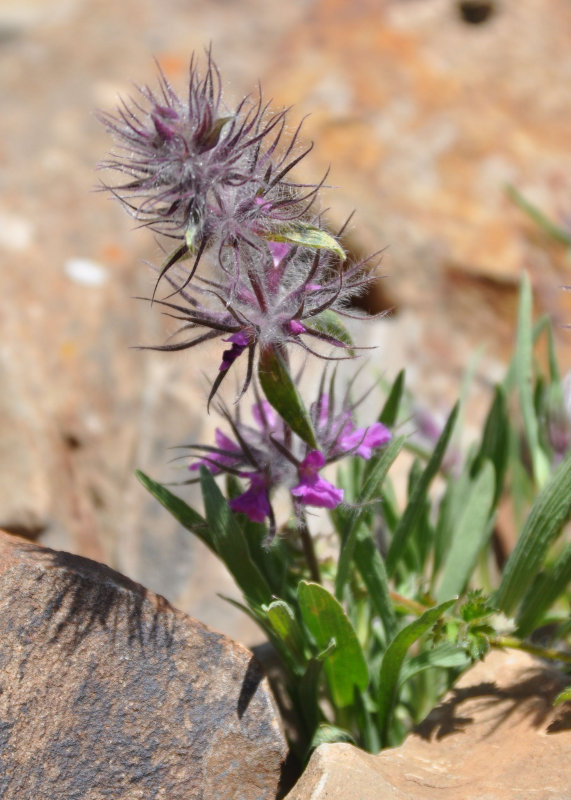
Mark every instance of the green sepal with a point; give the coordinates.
(307, 236)
(282, 393)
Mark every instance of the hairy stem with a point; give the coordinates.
(533, 649)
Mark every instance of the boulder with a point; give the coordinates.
(106, 691)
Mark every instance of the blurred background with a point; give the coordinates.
(425, 110)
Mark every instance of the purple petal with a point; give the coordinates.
(362, 441)
(296, 327)
(240, 341)
(313, 490)
(279, 251)
(254, 501)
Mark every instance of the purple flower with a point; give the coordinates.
(261, 305)
(339, 437)
(240, 342)
(312, 489)
(254, 501)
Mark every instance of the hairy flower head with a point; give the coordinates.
(198, 172)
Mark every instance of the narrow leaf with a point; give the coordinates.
(544, 591)
(372, 568)
(284, 624)
(389, 414)
(326, 620)
(417, 501)
(394, 657)
(495, 441)
(230, 543)
(282, 394)
(547, 516)
(524, 378)
(470, 535)
(187, 516)
(329, 734)
(443, 656)
(376, 472)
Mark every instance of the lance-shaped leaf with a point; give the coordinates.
(326, 620)
(544, 591)
(548, 514)
(307, 236)
(470, 534)
(417, 500)
(231, 544)
(282, 619)
(282, 393)
(390, 411)
(395, 655)
(187, 516)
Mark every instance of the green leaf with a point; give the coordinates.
(417, 501)
(282, 394)
(329, 734)
(282, 619)
(389, 414)
(443, 656)
(376, 472)
(307, 236)
(542, 220)
(563, 697)
(329, 322)
(544, 591)
(471, 532)
(495, 441)
(394, 657)
(326, 620)
(230, 543)
(372, 568)
(187, 516)
(524, 379)
(547, 516)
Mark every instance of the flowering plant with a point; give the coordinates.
(372, 621)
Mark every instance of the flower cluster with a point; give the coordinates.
(266, 454)
(277, 298)
(217, 182)
(201, 173)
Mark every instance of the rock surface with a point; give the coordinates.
(495, 736)
(106, 691)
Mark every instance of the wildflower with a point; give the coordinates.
(268, 455)
(199, 173)
(313, 490)
(338, 435)
(275, 299)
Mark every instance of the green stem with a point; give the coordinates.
(309, 550)
(408, 604)
(533, 649)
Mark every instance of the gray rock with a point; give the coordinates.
(108, 692)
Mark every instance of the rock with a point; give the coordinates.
(495, 735)
(109, 692)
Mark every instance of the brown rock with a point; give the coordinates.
(496, 735)
(109, 692)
